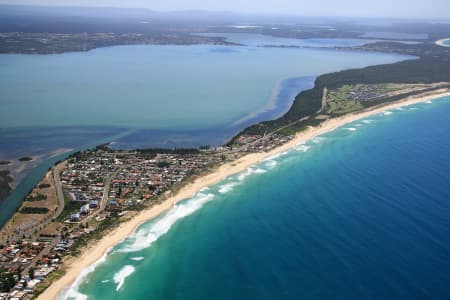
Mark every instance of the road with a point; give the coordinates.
(268, 135)
(59, 191)
(104, 200)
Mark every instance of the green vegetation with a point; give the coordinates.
(308, 103)
(97, 234)
(34, 210)
(151, 153)
(44, 186)
(38, 197)
(55, 275)
(69, 208)
(7, 280)
(339, 102)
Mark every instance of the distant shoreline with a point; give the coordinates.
(97, 250)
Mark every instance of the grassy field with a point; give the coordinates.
(308, 103)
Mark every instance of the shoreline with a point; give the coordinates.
(94, 252)
(442, 43)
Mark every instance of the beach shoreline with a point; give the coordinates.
(96, 250)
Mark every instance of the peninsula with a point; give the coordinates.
(94, 199)
(90, 202)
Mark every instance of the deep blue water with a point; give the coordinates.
(360, 213)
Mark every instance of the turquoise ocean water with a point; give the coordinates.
(358, 213)
(150, 96)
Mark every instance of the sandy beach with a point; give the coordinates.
(95, 251)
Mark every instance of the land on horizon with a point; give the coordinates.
(87, 194)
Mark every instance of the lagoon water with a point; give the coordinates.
(150, 96)
(358, 213)
(159, 87)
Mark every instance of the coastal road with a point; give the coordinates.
(268, 135)
(58, 187)
(60, 197)
(104, 200)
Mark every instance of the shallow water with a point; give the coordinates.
(358, 213)
(160, 96)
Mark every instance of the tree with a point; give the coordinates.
(7, 280)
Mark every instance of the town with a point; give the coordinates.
(92, 192)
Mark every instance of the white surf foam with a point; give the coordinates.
(260, 171)
(350, 128)
(145, 237)
(302, 147)
(275, 156)
(387, 113)
(72, 292)
(139, 258)
(227, 187)
(367, 121)
(271, 164)
(250, 171)
(120, 276)
(317, 139)
(270, 158)
(428, 102)
(105, 281)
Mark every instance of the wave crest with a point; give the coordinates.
(145, 237)
(119, 277)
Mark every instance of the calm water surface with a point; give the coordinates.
(148, 96)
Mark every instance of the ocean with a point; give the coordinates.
(358, 213)
(150, 96)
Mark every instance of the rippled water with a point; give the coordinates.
(359, 213)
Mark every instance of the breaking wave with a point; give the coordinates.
(72, 293)
(145, 237)
(250, 171)
(271, 164)
(139, 258)
(302, 147)
(317, 139)
(119, 277)
(228, 187)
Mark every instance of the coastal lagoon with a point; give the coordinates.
(150, 96)
(160, 87)
(357, 213)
